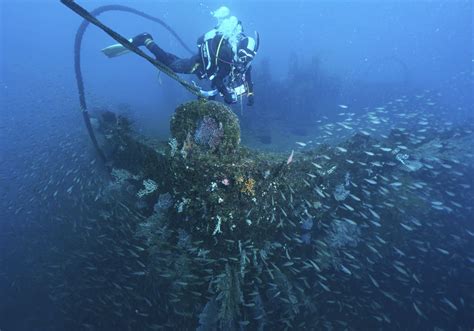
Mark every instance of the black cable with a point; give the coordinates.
(90, 18)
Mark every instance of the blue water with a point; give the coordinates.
(318, 62)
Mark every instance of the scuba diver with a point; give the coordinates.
(224, 56)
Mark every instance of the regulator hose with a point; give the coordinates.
(90, 17)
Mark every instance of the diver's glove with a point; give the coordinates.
(208, 94)
(250, 99)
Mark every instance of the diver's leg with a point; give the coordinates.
(145, 39)
(186, 66)
(175, 63)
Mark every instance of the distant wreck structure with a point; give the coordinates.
(236, 237)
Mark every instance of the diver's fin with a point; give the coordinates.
(115, 50)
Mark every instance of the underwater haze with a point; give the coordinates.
(342, 199)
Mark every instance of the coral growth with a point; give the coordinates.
(247, 186)
(209, 133)
(150, 187)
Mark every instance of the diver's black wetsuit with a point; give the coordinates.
(218, 67)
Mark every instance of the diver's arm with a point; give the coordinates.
(248, 79)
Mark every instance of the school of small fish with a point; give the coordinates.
(390, 246)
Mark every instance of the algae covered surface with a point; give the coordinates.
(235, 238)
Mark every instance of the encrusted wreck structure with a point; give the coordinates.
(238, 238)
